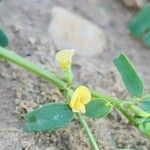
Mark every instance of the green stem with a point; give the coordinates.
(34, 68)
(47, 75)
(58, 82)
(68, 76)
(88, 132)
(83, 122)
(118, 104)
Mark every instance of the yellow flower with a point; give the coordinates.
(64, 58)
(80, 97)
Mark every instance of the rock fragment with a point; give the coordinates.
(68, 30)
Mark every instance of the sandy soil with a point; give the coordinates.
(27, 23)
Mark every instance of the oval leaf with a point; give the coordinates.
(48, 117)
(131, 78)
(145, 105)
(146, 38)
(145, 128)
(98, 108)
(141, 22)
(3, 38)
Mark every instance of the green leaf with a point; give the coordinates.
(145, 105)
(141, 22)
(3, 38)
(146, 38)
(131, 78)
(51, 116)
(145, 127)
(98, 108)
(139, 26)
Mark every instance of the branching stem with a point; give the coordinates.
(62, 85)
(49, 76)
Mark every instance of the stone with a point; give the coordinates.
(17, 27)
(134, 3)
(70, 31)
(31, 40)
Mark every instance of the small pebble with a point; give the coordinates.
(31, 40)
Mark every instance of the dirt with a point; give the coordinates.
(26, 23)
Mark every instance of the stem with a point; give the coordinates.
(88, 132)
(34, 68)
(47, 75)
(118, 104)
(59, 83)
(68, 76)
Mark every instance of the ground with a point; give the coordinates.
(26, 23)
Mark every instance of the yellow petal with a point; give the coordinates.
(78, 107)
(80, 97)
(84, 94)
(64, 58)
(73, 99)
